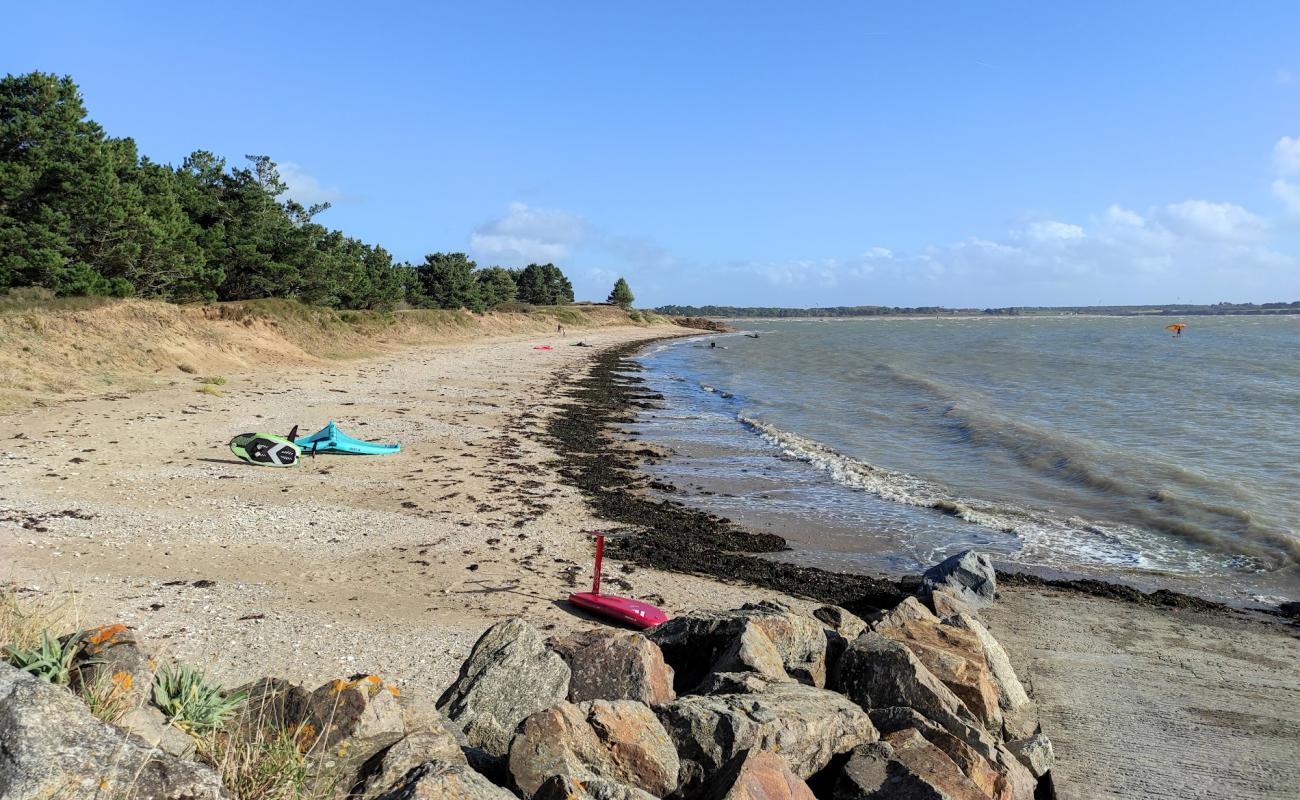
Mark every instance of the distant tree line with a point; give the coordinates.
(83, 213)
(836, 311)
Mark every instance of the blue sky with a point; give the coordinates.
(963, 154)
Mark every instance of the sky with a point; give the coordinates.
(746, 153)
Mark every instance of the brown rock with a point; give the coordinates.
(929, 765)
(620, 741)
(347, 722)
(1019, 713)
(974, 766)
(1018, 783)
(947, 603)
(757, 775)
(878, 672)
(909, 610)
(433, 780)
(956, 657)
(842, 621)
(615, 665)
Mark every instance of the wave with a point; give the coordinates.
(1044, 536)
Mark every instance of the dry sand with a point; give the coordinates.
(392, 565)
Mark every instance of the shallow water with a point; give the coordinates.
(1093, 445)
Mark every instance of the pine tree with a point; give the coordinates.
(621, 295)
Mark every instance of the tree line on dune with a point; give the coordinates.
(83, 213)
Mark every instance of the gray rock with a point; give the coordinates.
(878, 672)
(151, 726)
(562, 787)
(865, 776)
(620, 741)
(918, 766)
(348, 722)
(434, 780)
(51, 746)
(975, 767)
(842, 621)
(701, 642)
(968, 575)
(615, 665)
(909, 609)
(805, 725)
(508, 676)
(113, 661)
(1018, 783)
(1035, 753)
(1019, 713)
(409, 752)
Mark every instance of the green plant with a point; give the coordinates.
(189, 701)
(108, 696)
(215, 380)
(264, 762)
(208, 388)
(50, 660)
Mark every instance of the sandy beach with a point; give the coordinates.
(391, 565)
(394, 565)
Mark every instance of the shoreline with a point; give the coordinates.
(678, 538)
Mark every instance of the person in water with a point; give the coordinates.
(712, 345)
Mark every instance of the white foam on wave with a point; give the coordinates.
(1045, 539)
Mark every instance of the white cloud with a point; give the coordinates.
(1289, 194)
(1117, 215)
(1226, 222)
(304, 187)
(1286, 155)
(526, 234)
(1052, 231)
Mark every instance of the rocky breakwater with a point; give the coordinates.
(763, 702)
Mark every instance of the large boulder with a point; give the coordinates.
(113, 664)
(1019, 713)
(1018, 782)
(389, 766)
(968, 575)
(841, 620)
(878, 672)
(974, 766)
(757, 775)
(347, 722)
(509, 675)
(51, 746)
(922, 762)
(757, 637)
(909, 610)
(956, 657)
(620, 741)
(805, 725)
(615, 665)
(435, 780)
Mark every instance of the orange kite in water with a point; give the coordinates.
(1177, 328)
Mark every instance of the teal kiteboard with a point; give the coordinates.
(265, 449)
(332, 440)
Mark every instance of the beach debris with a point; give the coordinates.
(51, 746)
(620, 741)
(968, 574)
(508, 676)
(807, 726)
(757, 775)
(615, 665)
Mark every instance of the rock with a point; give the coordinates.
(968, 575)
(752, 651)
(865, 776)
(805, 725)
(1035, 753)
(562, 787)
(878, 672)
(974, 766)
(757, 775)
(702, 642)
(347, 722)
(1019, 713)
(916, 763)
(273, 703)
(1018, 783)
(842, 621)
(956, 657)
(434, 780)
(946, 603)
(114, 665)
(615, 665)
(389, 766)
(910, 609)
(152, 727)
(737, 683)
(51, 746)
(620, 741)
(508, 676)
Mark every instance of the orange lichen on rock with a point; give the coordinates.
(106, 636)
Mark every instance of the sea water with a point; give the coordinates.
(1100, 446)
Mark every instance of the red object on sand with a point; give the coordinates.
(621, 609)
(542, 347)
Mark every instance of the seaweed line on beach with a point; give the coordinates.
(668, 535)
